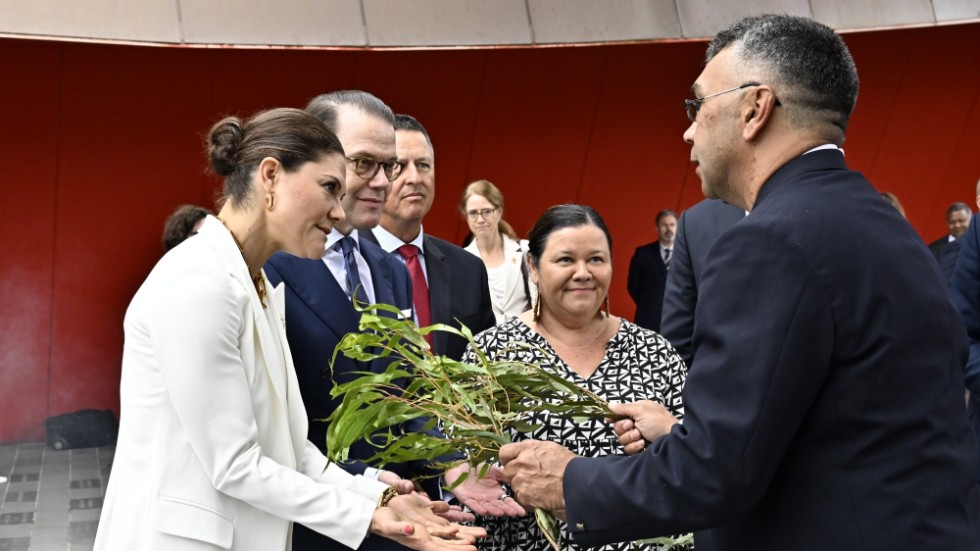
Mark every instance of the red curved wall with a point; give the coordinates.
(101, 142)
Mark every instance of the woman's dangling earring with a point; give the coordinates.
(270, 200)
(536, 309)
(607, 306)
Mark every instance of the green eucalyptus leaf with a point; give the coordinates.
(477, 404)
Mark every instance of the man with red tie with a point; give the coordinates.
(450, 285)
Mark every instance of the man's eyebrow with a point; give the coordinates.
(696, 90)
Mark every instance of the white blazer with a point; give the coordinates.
(515, 299)
(212, 451)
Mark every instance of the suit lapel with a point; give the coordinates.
(316, 287)
(271, 348)
(298, 423)
(380, 278)
(440, 278)
(515, 278)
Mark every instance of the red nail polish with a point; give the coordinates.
(409, 529)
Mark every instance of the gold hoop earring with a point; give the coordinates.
(270, 200)
(536, 308)
(607, 306)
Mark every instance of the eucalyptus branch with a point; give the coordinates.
(475, 404)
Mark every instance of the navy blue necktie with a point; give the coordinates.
(347, 245)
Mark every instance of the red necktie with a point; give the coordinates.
(420, 290)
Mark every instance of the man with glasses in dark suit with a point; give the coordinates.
(320, 295)
(824, 404)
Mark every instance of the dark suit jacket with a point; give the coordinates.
(318, 315)
(645, 283)
(966, 295)
(939, 246)
(697, 230)
(459, 292)
(824, 406)
(951, 254)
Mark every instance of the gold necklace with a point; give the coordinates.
(258, 281)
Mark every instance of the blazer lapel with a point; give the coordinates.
(515, 278)
(383, 291)
(440, 278)
(271, 348)
(313, 284)
(298, 423)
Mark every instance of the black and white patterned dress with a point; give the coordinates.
(639, 364)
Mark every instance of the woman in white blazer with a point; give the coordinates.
(496, 243)
(212, 450)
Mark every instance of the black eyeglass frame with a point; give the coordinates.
(693, 106)
(391, 168)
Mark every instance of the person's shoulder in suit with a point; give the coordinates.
(453, 250)
(649, 248)
(938, 247)
(286, 267)
(371, 249)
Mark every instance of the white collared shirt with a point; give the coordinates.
(824, 146)
(390, 243)
(333, 257)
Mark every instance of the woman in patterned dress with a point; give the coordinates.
(571, 331)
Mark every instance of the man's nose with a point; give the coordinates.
(379, 181)
(689, 133)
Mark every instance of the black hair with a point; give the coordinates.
(956, 207)
(559, 217)
(180, 225)
(665, 213)
(407, 122)
(811, 68)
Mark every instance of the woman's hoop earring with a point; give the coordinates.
(536, 308)
(270, 200)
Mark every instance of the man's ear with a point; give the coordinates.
(757, 113)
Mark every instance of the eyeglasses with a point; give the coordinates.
(694, 105)
(482, 213)
(367, 168)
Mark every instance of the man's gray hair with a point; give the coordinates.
(809, 66)
(325, 106)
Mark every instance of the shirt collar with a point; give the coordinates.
(390, 243)
(825, 146)
(335, 236)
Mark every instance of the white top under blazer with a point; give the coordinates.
(514, 299)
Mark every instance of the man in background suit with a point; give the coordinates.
(319, 293)
(648, 272)
(957, 220)
(458, 291)
(824, 405)
(698, 229)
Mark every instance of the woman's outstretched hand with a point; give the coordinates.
(414, 522)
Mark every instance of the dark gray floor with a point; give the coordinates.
(52, 499)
